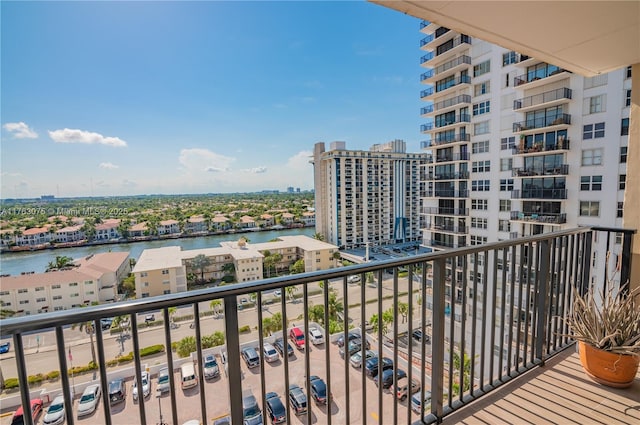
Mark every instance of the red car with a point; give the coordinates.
(36, 409)
(297, 337)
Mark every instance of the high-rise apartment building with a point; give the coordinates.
(519, 146)
(368, 197)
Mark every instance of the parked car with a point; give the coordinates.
(315, 336)
(89, 400)
(275, 408)
(250, 410)
(106, 323)
(5, 347)
(356, 358)
(297, 337)
(371, 366)
(386, 377)
(269, 352)
(55, 413)
(146, 386)
(117, 391)
(354, 278)
(297, 399)
(36, 409)
(149, 318)
(417, 334)
(353, 347)
(250, 356)
(351, 336)
(417, 405)
(403, 390)
(210, 367)
(318, 390)
(164, 382)
(279, 345)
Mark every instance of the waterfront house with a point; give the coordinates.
(168, 227)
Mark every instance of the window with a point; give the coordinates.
(480, 147)
(166, 291)
(41, 300)
(620, 209)
(143, 274)
(482, 88)
(509, 58)
(73, 284)
(165, 271)
(4, 293)
(506, 185)
(481, 68)
(628, 72)
(597, 104)
(618, 238)
(480, 166)
(57, 297)
(622, 180)
(479, 204)
(481, 127)
(627, 98)
(145, 284)
(22, 291)
(478, 240)
(166, 282)
(88, 282)
(507, 143)
(145, 295)
(479, 223)
(593, 131)
(591, 183)
(592, 157)
(480, 185)
(623, 155)
(624, 128)
(589, 208)
(506, 164)
(24, 302)
(505, 204)
(504, 225)
(74, 295)
(40, 288)
(481, 108)
(89, 293)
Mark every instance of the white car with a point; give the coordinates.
(163, 380)
(146, 386)
(270, 353)
(211, 369)
(315, 336)
(55, 413)
(354, 278)
(89, 400)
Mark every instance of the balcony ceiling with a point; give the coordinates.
(586, 37)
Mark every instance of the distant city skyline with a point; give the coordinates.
(132, 98)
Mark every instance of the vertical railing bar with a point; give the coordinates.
(102, 362)
(606, 278)
(503, 308)
(345, 347)
(380, 342)
(494, 299)
(534, 299)
(410, 344)
(463, 322)
(586, 262)
(474, 322)
(437, 345)
(172, 383)
(138, 367)
(423, 321)
(327, 357)
(395, 346)
(571, 282)
(554, 286)
(233, 355)
(452, 345)
(260, 349)
(285, 347)
(527, 303)
(563, 284)
(543, 298)
(363, 358)
(625, 267)
(519, 343)
(21, 365)
(67, 390)
(199, 368)
(512, 291)
(483, 333)
(307, 366)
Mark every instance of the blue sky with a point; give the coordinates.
(122, 98)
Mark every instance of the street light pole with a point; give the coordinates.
(158, 394)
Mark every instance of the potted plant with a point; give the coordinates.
(607, 328)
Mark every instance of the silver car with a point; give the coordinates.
(55, 413)
(356, 358)
(163, 380)
(270, 353)
(211, 369)
(146, 386)
(89, 400)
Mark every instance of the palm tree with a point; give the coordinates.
(215, 306)
(89, 329)
(229, 269)
(297, 267)
(4, 313)
(59, 263)
(290, 290)
(201, 262)
(336, 256)
(172, 311)
(318, 236)
(403, 310)
(277, 258)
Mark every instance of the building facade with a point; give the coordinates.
(368, 197)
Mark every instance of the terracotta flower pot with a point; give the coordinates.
(611, 369)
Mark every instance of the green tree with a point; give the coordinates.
(172, 311)
(403, 310)
(316, 313)
(201, 262)
(461, 366)
(218, 338)
(277, 321)
(216, 306)
(229, 270)
(297, 267)
(334, 306)
(267, 326)
(4, 313)
(61, 262)
(186, 346)
(318, 236)
(87, 327)
(128, 285)
(290, 291)
(336, 256)
(269, 262)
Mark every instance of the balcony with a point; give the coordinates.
(532, 125)
(448, 68)
(426, 75)
(507, 372)
(540, 77)
(452, 47)
(546, 100)
(539, 194)
(560, 170)
(441, 123)
(446, 139)
(445, 193)
(426, 110)
(542, 218)
(461, 175)
(447, 228)
(445, 211)
(443, 87)
(426, 58)
(426, 93)
(561, 144)
(449, 103)
(452, 157)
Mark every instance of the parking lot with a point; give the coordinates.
(217, 395)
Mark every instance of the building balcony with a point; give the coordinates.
(560, 170)
(462, 175)
(425, 144)
(448, 68)
(426, 110)
(452, 157)
(442, 124)
(444, 228)
(542, 218)
(456, 212)
(525, 338)
(439, 36)
(426, 75)
(441, 193)
(448, 104)
(427, 93)
(541, 148)
(540, 77)
(543, 100)
(426, 58)
(539, 194)
(450, 48)
(427, 39)
(533, 125)
(443, 88)
(447, 139)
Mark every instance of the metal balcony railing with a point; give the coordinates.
(559, 170)
(426, 92)
(426, 109)
(446, 138)
(426, 58)
(464, 59)
(461, 39)
(462, 156)
(445, 193)
(446, 211)
(427, 39)
(539, 194)
(456, 119)
(449, 228)
(444, 85)
(539, 217)
(426, 75)
(538, 74)
(460, 175)
(561, 144)
(538, 99)
(463, 98)
(501, 320)
(541, 122)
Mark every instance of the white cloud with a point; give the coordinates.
(68, 135)
(198, 160)
(128, 183)
(256, 170)
(20, 130)
(108, 166)
(7, 174)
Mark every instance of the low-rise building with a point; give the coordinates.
(94, 279)
(34, 236)
(69, 234)
(107, 230)
(168, 227)
(196, 224)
